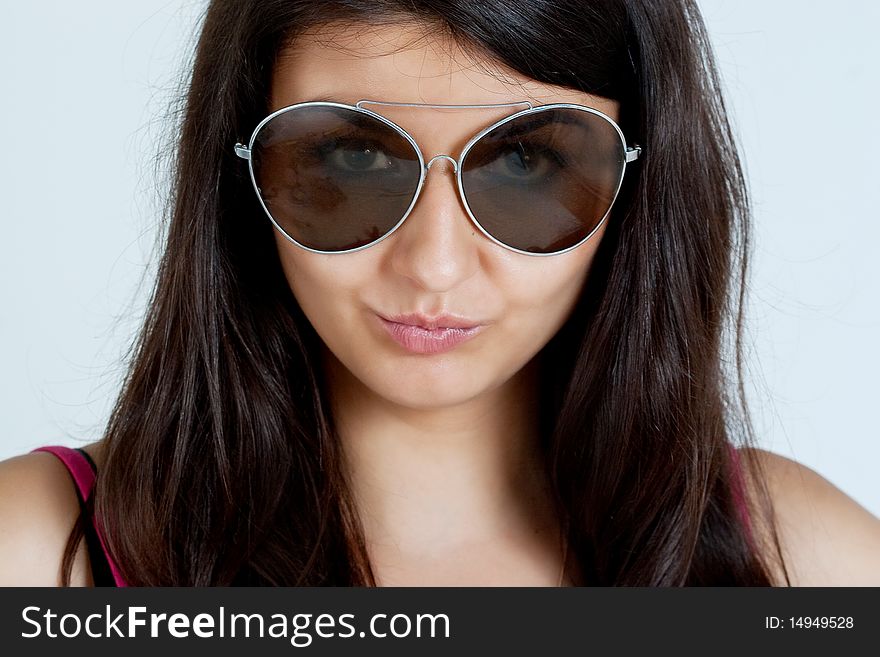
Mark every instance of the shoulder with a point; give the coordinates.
(38, 508)
(826, 537)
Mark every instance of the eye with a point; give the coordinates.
(522, 161)
(358, 156)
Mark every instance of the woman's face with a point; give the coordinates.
(437, 262)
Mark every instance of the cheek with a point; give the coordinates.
(541, 307)
(322, 283)
(545, 289)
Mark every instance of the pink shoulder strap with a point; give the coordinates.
(84, 478)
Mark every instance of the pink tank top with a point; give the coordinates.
(83, 472)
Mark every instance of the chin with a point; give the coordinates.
(427, 402)
(417, 382)
(433, 394)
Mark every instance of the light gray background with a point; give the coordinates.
(86, 88)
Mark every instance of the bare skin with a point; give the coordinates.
(828, 539)
(38, 507)
(441, 448)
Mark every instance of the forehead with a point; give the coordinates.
(404, 62)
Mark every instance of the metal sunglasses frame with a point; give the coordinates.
(631, 153)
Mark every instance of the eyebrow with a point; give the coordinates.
(540, 119)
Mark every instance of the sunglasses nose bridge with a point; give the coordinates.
(455, 167)
(440, 157)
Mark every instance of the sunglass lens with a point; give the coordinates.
(332, 178)
(544, 181)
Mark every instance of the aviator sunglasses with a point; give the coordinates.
(338, 178)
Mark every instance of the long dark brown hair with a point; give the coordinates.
(221, 462)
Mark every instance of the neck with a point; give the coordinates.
(438, 479)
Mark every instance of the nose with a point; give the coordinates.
(437, 245)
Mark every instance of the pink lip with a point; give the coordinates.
(440, 321)
(442, 333)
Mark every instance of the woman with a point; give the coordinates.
(452, 355)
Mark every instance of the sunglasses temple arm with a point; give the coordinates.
(632, 153)
(243, 151)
